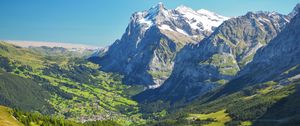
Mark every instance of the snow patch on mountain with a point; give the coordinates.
(165, 27)
(201, 19)
(181, 31)
(148, 23)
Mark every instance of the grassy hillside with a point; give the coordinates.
(264, 104)
(21, 55)
(74, 88)
(6, 118)
(218, 118)
(22, 93)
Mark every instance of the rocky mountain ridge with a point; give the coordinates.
(202, 67)
(279, 61)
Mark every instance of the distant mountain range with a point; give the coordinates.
(70, 46)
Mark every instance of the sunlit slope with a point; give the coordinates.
(6, 118)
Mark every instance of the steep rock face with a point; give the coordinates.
(295, 11)
(215, 60)
(278, 61)
(145, 54)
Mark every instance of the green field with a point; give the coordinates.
(219, 118)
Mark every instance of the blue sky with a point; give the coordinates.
(101, 22)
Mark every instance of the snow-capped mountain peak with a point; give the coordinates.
(148, 18)
(202, 19)
(184, 9)
(159, 6)
(182, 20)
(212, 15)
(159, 9)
